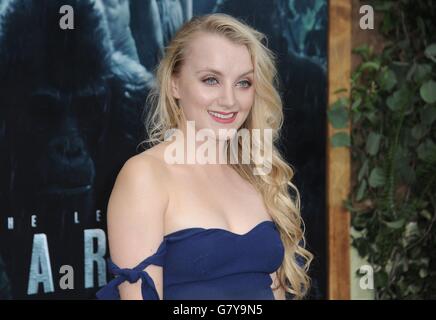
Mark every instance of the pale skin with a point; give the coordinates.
(152, 198)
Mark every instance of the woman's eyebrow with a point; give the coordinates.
(220, 74)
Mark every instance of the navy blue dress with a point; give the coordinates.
(212, 264)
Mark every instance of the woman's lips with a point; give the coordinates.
(223, 117)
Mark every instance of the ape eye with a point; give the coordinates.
(90, 110)
(44, 106)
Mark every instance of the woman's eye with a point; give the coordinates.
(246, 83)
(212, 81)
(207, 80)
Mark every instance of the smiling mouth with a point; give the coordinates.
(222, 117)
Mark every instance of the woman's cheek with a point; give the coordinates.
(198, 97)
(247, 104)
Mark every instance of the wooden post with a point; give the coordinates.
(338, 159)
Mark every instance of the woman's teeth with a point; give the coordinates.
(222, 116)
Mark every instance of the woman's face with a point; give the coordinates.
(215, 83)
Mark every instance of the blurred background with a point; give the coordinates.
(381, 150)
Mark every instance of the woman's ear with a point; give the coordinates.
(175, 87)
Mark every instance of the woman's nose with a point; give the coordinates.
(228, 96)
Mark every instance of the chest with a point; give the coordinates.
(224, 201)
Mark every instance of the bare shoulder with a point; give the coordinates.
(154, 158)
(148, 166)
(136, 208)
(157, 152)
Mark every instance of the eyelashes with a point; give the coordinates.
(207, 80)
(211, 83)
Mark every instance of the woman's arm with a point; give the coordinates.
(136, 211)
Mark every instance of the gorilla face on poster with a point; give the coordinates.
(70, 105)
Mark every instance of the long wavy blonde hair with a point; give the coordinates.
(266, 112)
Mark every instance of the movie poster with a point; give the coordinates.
(74, 76)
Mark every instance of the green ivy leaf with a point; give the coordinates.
(363, 170)
(376, 177)
(373, 117)
(430, 52)
(423, 273)
(341, 139)
(411, 72)
(338, 115)
(362, 50)
(387, 80)
(396, 224)
(373, 143)
(411, 229)
(426, 214)
(356, 103)
(398, 99)
(381, 279)
(370, 65)
(426, 150)
(418, 131)
(421, 72)
(361, 190)
(428, 91)
(428, 115)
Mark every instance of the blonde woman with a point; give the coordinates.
(196, 229)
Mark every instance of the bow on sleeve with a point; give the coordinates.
(148, 289)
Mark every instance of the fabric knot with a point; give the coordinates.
(130, 275)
